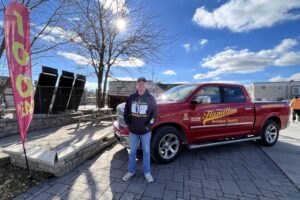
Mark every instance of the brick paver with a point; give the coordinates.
(239, 171)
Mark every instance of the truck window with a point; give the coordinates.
(233, 94)
(212, 91)
(178, 93)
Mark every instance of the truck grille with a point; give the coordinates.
(120, 117)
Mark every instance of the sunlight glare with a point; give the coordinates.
(121, 24)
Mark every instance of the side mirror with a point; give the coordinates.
(201, 100)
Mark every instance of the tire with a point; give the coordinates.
(270, 133)
(166, 144)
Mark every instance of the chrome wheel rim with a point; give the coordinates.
(168, 146)
(271, 133)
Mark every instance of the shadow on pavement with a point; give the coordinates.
(286, 155)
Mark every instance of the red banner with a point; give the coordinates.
(17, 41)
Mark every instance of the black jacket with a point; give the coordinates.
(140, 112)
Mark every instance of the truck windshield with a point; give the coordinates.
(178, 93)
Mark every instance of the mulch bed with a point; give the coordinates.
(14, 180)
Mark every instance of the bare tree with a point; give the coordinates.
(109, 32)
(49, 16)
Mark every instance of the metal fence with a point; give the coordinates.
(46, 96)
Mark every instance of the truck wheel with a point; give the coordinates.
(270, 133)
(166, 144)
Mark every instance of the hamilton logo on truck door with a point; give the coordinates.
(212, 115)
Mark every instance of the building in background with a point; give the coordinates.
(6, 96)
(274, 91)
(120, 90)
(89, 97)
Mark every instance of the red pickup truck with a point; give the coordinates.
(202, 115)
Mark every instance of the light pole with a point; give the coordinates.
(287, 87)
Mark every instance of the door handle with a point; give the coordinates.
(219, 110)
(248, 108)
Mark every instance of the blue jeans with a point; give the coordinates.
(133, 142)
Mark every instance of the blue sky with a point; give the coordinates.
(232, 51)
(226, 41)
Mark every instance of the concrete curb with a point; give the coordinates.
(281, 169)
(69, 161)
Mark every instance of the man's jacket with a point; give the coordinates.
(295, 104)
(140, 112)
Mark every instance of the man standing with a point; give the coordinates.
(295, 105)
(139, 114)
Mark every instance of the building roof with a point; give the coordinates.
(275, 82)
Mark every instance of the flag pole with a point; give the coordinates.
(29, 171)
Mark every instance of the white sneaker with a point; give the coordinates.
(127, 176)
(149, 177)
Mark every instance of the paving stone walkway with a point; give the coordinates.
(239, 171)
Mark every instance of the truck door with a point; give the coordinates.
(240, 122)
(205, 121)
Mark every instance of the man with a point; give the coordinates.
(139, 114)
(295, 105)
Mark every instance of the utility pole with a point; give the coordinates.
(287, 88)
(153, 80)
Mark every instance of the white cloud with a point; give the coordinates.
(290, 58)
(49, 38)
(169, 72)
(245, 15)
(91, 85)
(130, 62)
(203, 42)
(286, 45)
(81, 60)
(187, 47)
(295, 77)
(54, 33)
(246, 61)
(78, 59)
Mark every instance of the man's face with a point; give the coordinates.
(141, 86)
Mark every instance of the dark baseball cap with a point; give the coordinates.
(141, 79)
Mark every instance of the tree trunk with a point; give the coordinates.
(100, 79)
(2, 47)
(99, 93)
(105, 85)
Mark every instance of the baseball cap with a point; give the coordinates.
(141, 79)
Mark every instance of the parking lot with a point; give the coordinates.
(237, 171)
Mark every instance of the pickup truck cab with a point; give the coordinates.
(208, 114)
